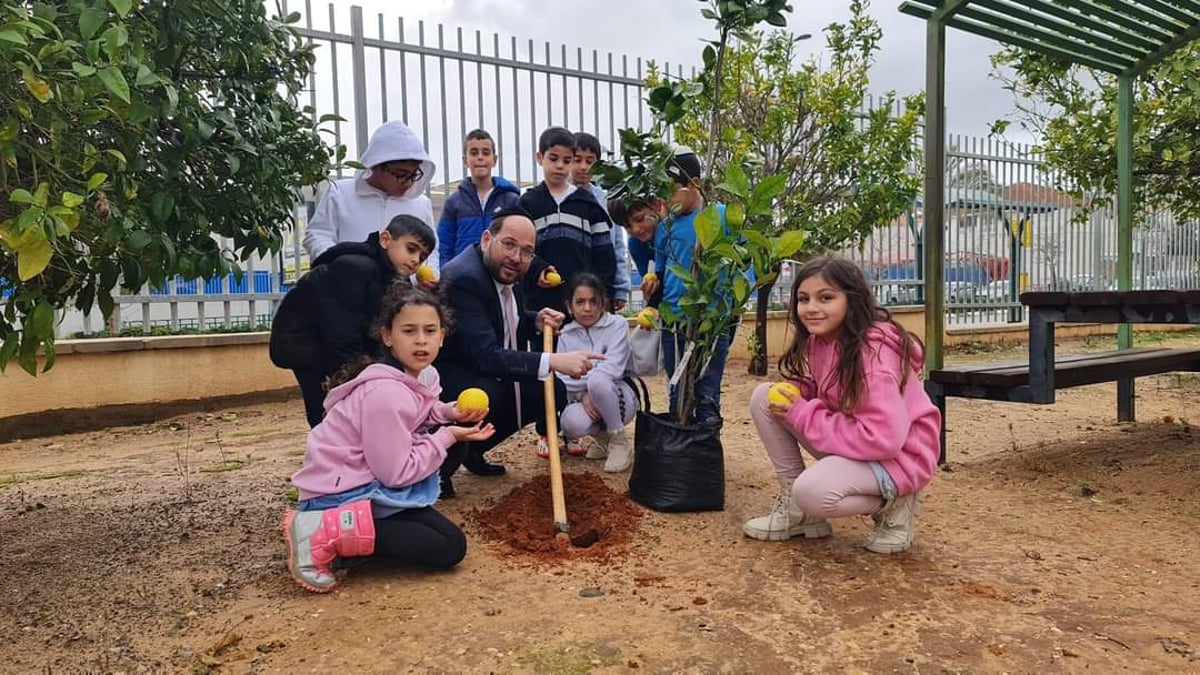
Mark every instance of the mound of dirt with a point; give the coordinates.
(521, 523)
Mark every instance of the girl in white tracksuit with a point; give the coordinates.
(600, 403)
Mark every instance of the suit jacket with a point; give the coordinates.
(474, 349)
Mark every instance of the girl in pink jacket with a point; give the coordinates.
(862, 413)
(370, 473)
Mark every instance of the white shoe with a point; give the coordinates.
(895, 525)
(620, 453)
(599, 447)
(786, 521)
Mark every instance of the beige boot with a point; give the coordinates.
(620, 453)
(895, 525)
(786, 521)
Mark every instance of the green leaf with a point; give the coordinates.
(122, 6)
(12, 35)
(96, 181)
(27, 357)
(115, 82)
(708, 226)
(735, 215)
(83, 69)
(161, 206)
(138, 240)
(21, 196)
(49, 353)
(736, 178)
(90, 20)
(789, 243)
(8, 350)
(145, 76)
(34, 256)
(117, 154)
(71, 200)
(42, 320)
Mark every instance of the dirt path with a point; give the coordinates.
(1058, 541)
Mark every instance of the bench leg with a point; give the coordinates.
(1125, 409)
(938, 396)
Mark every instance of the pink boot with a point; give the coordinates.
(315, 538)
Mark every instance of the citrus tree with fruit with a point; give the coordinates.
(133, 132)
(720, 279)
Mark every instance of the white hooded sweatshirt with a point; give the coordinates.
(351, 209)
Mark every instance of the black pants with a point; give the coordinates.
(421, 537)
(503, 416)
(313, 393)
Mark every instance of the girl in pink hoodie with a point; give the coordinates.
(862, 413)
(370, 473)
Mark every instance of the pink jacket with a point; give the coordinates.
(898, 429)
(375, 429)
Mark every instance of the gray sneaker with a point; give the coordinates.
(785, 521)
(895, 525)
(620, 453)
(599, 447)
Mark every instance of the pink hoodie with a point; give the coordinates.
(375, 429)
(898, 429)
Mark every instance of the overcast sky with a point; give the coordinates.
(669, 30)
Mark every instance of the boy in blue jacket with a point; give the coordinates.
(468, 212)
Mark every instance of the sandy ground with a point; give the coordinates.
(1056, 541)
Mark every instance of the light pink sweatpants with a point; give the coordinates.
(833, 486)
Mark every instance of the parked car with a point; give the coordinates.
(961, 292)
(998, 291)
(896, 293)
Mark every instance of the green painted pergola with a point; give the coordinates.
(1123, 37)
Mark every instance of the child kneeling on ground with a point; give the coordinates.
(370, 473)
(862, 412)
(600, 404)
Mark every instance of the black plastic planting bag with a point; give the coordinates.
(677, 467)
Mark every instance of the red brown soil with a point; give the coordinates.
(522, 521)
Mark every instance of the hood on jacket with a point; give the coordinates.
(381, 372)
(607, 319)
(394, 141)
(885, 334)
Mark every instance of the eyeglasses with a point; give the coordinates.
(511, 247)
(405, 176)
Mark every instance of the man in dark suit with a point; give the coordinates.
(491, 328)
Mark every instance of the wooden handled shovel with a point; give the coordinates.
(556, 480)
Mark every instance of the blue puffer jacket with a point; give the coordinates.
(463, 220)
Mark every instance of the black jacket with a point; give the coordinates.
(474, 350)
(325, 320)
(575, 236)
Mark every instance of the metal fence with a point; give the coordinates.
(1008, 227)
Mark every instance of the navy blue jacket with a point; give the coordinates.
(574, 236)
(474, 350)
(464, 220)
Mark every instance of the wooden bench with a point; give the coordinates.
(1012, 381)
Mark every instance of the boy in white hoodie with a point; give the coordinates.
(600, 403)
(394, 183)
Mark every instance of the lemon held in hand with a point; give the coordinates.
(647, 318)
(553, 279)
(425, 274)
(649, 276)
(777, 394)
(472, 400)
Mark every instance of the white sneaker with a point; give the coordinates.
(599, 447)
(620, 453)
(895, 525)
(786, 521)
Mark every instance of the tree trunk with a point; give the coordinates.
(758, 361)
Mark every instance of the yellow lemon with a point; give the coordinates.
(553, 278)
(425, 274)
(472, 400)
(647, 317)
(650, 276)
(776, 393)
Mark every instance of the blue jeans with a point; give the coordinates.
(708, 388)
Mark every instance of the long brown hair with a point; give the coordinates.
(862, 313)
(399, 295)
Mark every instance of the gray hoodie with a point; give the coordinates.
(351, 209)
(608, 336)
